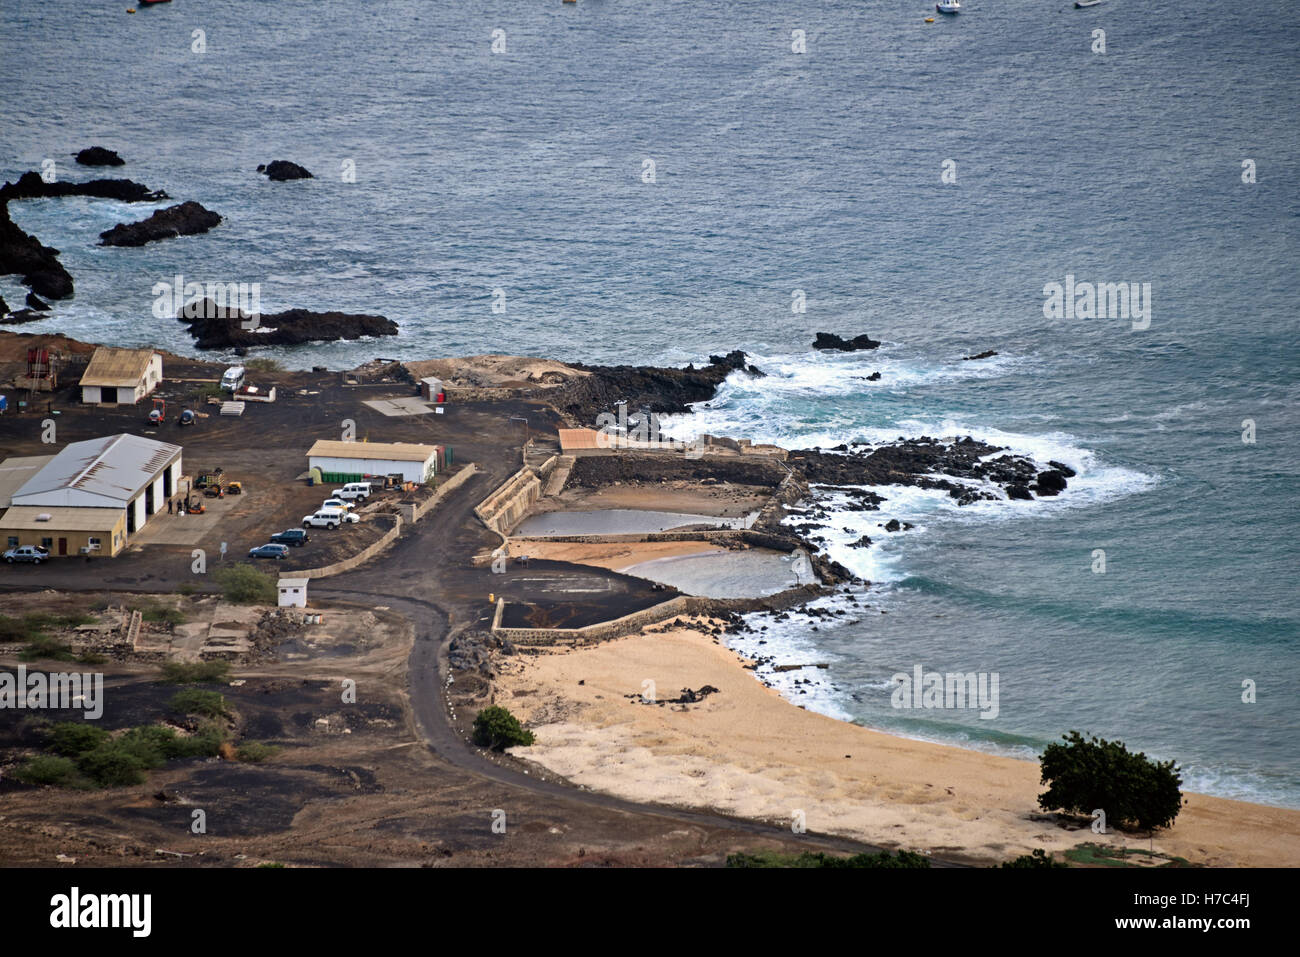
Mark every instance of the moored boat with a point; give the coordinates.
(948, 6)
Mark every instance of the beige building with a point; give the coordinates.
(120, 375)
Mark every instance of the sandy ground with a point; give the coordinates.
(615, 556)
(749, 752)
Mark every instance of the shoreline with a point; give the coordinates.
(749, 751)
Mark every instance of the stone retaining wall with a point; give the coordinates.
(682, 605)
(503, 509)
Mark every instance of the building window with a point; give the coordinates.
(47, 543)
(93, 542)
(13, 541)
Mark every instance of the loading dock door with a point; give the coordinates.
(63, 546)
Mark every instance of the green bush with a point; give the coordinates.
(208, 390)
(245, 585)
(903, 859)
(1037, 859)
(255, 751)
(45, 647)
(73, 738)
(204, 743)
(195, 672)
(1084, 774)
(163, 614)
(47, 769)
(210, 704)
(27, 628)
(498, 729)
(263, 365)
(120, 761)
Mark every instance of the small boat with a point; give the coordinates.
(150, 3)
(1080, 4)
(948, 6)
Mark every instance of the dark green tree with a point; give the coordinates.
(498, 729)
(1084, 774)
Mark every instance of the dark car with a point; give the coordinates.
(291, 536)
(268, 551)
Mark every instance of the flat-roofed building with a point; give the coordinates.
(353, 461)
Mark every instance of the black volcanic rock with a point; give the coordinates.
(24, 255)
(34, 303)
(988, 354)
(38, 265)
(1063, 469)
(827, 340)
(1019, 492)
(183, 219)
(216, 327)
(99, 156)
(280, 170)
(1050, 482)
(31, 186)
(662, 391)
(4, 306)
(21, 316)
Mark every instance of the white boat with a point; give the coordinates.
(948, 6)
(1080, 4)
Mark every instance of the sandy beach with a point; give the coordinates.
(747, 751)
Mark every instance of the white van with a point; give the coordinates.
(353, 490)
(233, 380)
(329, 518)
(343, 505)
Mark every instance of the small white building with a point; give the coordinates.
(352, 461)
(120, 375)
(293, 592)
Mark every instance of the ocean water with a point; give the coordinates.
(774, 172)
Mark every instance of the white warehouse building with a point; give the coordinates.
(351, 461)
(93, 494)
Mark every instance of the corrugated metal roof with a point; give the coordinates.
(104, 472)
(390, 451)
(15, 472)
(117, 367)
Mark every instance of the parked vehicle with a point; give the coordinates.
(215, 491)
(329, 518)
(269, 551)
(338, 503)
(291, 536)
(359, 491)
(210, 477)
(158, 414)
(235, 488)
(27, 553)
(233, 380)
